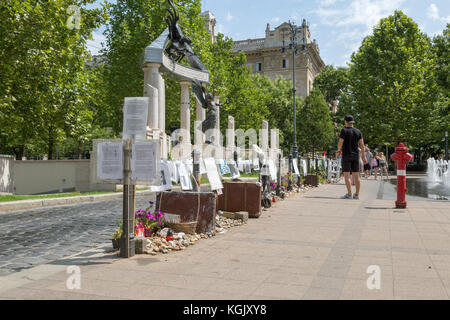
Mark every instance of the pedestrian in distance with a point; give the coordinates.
(383, 165)
(374, 164)
(367, 165)
(349, 141)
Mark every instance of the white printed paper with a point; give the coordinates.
(273, 170)
(213, 174)
(305, 169)
(166, 182)
(247, 166)
(135, 118)
(185, 178)
(144, 160)
(202, 167)
(295, 164)
(173, 171)
(235, 174)
(240, 165)
(110, 160)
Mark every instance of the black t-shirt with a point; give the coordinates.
(351, 138)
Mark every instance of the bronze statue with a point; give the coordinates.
(179, 49)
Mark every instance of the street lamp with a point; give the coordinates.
(446, 145)
(293, 47)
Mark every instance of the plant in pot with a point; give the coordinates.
(148, 220)
(117, 235)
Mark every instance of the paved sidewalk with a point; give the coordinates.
(311, 246)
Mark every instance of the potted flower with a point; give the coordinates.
(117, 236)
(148, 221)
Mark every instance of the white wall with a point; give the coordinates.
(36, 177)
(6, 174)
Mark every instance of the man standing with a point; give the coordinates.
(350, 139)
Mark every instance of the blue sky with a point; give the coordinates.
(337, 25)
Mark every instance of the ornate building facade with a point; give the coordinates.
(267, 57)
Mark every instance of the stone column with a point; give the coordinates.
(152, 118)
(230, 133)
(162, 104)
(151, 90)
(199, 137)
(185, 118)
(265, 136)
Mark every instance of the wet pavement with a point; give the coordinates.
(418, 189)
(33, 237)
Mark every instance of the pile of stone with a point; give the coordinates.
(159, 244)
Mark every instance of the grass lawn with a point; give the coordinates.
(54, 195)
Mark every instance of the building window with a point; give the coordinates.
(285, 63)
(258, 67)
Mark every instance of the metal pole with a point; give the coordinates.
(294, 48)
(279, 175)
(446, 145)
(126, 247)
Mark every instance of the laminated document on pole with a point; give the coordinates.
(145, 161)
(173, 171)
(295, 164)
(213, 174)
(110, 161)
(185, 177)
(166, 182)
(135, 118)
(272, 169)
(235, 174)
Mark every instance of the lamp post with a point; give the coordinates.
(446, 145)
(293, 47)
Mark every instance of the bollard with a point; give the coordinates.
(279, 176)
(401, 157)
(290, 176)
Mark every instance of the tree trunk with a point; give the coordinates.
(79, 151)
(50, 145)
(19, 152)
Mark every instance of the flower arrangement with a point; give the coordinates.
(273, 185)
(118, 233)
(150, 222)
(284, 183)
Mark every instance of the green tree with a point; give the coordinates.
(133, 26)
(332, 82)
(42, 65)
(314, 125)
(393, 87)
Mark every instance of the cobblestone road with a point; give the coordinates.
(33, 237)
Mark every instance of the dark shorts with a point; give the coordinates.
(350, 165)
(367, 167)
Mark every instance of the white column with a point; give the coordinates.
(152, 118)
(185, 114)
(199, 136)
(265, 136)
(230, 133)
(162, 104)
(155, 80)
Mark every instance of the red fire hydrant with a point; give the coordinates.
(401, 156)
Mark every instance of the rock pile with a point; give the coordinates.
(157, 244)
